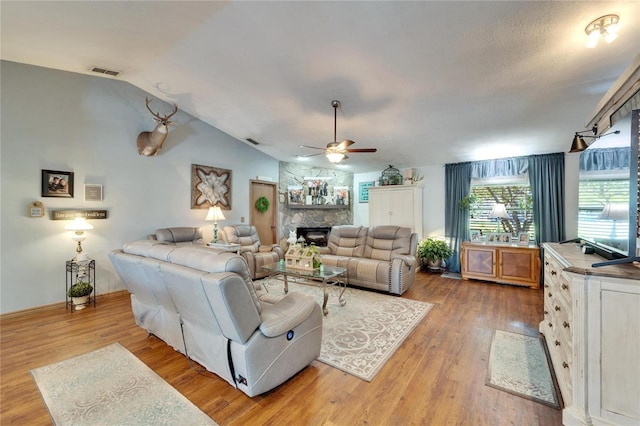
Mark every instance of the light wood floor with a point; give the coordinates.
(435, 378)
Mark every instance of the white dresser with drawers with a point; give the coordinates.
(592, 329)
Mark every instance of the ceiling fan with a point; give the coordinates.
(336, 152)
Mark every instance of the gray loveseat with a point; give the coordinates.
(380, 257)
(203, 302)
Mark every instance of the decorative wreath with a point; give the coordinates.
(262, 204)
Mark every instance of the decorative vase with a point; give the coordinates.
(80, 302)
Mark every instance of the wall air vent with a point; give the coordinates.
(105, 71)
(252, 141)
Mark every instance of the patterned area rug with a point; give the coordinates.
(360, 337)
(518, 364)
(110, 386)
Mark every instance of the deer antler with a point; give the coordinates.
(157, 114)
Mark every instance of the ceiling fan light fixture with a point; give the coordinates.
(335, 157)
(606, 26)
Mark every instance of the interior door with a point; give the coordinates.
(265, 223)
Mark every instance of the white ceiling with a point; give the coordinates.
(424, 82)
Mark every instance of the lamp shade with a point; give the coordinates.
(578, 144)
(215, 214)
(614, 211)
(79, 224)
(499, 210)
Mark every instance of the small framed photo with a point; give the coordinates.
(504, 238)
(493, 237)
(57, 184)
(92, 192)
(523, 239)
(476, 236)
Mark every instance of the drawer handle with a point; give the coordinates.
(564, 286)
(565, 324)
(554, 273)
(565, 365)
(546, 312)
(557, 308)
(546, 263)
(549, 294)
(546, 286)
(557, 343)
(550, 325)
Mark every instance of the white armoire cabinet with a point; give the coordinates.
(592, 329)
(399, 205)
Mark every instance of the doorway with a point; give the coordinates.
(265, 223)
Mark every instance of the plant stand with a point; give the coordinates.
(76, 270)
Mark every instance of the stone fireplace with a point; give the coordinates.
(318, 235)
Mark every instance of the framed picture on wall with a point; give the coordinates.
(92, 192)
(210, 187)
(57, 183)
(363, 190)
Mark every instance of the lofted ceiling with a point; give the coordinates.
(424, 82)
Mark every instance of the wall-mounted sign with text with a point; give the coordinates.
(72, 214)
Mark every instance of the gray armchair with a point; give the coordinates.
(255, 253)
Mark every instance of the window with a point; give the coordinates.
(514, 192)
(596, 222)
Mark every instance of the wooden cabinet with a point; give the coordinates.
(399, 205)
(592, 328)
(508, 264)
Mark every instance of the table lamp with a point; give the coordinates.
(79, 225)
(499, 211)
(215, 214)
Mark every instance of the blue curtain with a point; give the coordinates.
(546, 176)
(456, 223)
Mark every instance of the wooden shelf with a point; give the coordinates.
(319, 206)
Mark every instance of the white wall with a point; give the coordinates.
(64, 121)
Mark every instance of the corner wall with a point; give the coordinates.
(57, 120)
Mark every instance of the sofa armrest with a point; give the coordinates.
(408, 260)
(285, 314)
(324, 250)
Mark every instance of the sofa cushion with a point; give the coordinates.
(180, 235)
(347, 240)
(142, 247)
(385, 241)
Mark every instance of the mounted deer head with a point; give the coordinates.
(150, 143)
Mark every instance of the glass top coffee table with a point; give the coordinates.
(324, 277)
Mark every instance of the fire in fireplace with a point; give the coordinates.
(317, 235)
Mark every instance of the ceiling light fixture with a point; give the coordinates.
(605, 26)
(335, 157)
(579, 144)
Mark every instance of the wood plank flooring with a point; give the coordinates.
(435, 378)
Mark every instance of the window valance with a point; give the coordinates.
(605, 159)
(499, 167)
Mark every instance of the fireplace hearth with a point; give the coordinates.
(316, 235)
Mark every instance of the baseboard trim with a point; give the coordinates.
(54, 306)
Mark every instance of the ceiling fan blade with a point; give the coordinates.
(344, 144)
(362, 150)
(311, 147)
(310, 155)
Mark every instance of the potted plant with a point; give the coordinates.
(79, 293)
(433, 251)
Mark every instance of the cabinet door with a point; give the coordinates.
(519, 265)
(401, 208)
(379, 208)
(478, 262)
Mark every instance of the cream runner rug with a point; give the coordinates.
(110, 386)
(518, 364)
(360, 337)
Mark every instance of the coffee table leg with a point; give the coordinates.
(326, 297)
(286, 284)
(341, 298)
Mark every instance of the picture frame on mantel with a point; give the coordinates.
(56, 183)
